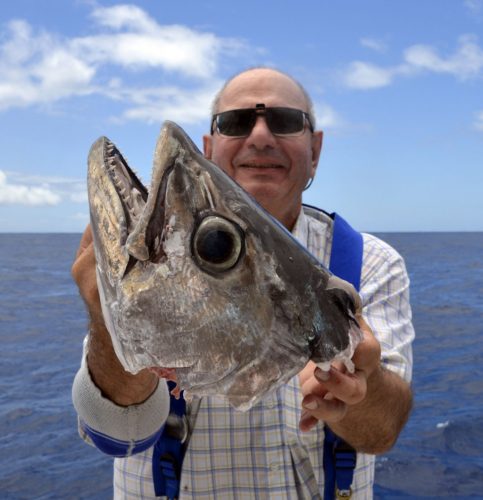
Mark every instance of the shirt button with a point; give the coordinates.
(271, 403)
(275, 466)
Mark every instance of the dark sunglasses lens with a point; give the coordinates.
(284, 121)
(238, 122)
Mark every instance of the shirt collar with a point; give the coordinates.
(300, 230)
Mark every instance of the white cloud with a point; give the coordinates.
(171, 48)
(18, 194)
(466, 62)
(184, 105)
(42, 179)
(40, 67)
(124, 16)
(28, 189)
(373, 44)
(478, 123)
(327, 117)
(361, 75)
(37, 69)
(139, 41)
(474, 6)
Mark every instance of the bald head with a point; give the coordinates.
(262, 74)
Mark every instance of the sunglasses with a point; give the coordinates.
(281, 121)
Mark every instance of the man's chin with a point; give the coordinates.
(259, 182)
(263, 192)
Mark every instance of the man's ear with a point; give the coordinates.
(317, 139)
(207, 146)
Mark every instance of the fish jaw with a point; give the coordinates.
(116, 198)
(346, 303)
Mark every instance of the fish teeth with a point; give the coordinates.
(130, 209)
(137, 201)
(111, 161)
(120, 187)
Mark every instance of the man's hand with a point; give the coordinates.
(327, 395)
(106, 370)
(84, 274)
(367, 408)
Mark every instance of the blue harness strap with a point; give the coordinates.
(168, 453)
(346, 255)
(339, 457)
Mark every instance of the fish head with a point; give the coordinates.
(195, 276)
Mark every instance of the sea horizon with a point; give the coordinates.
(415, 231)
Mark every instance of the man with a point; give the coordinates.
(274, 449)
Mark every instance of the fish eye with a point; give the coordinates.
(217, 244)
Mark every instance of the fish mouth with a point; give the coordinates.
(145, 242)
(131, 191)
(134, 199)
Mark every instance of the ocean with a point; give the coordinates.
(43, 321)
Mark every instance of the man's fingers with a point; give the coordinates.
(85, 260)
(350, 388)
(85, 241)
(328, 395)
(307, 421)
(313, 386)
(368, 353)
(316, 408)
(84, 274)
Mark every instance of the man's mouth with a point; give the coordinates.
(260, 165)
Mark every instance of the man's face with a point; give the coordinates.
(273, 169)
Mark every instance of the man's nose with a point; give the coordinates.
(261, 135)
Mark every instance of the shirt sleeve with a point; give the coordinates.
(117, 430)
(385, 298)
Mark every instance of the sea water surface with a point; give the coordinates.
(42, 323)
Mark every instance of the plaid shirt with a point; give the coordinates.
(262, 453)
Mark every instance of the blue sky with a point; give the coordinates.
(397, 86)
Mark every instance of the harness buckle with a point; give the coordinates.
(343, 494)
